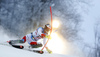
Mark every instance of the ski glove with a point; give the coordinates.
(43, 35)
(48, 36)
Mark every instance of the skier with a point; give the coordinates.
(32, 38)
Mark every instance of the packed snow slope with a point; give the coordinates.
(6, 51)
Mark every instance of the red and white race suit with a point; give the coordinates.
(33, 37)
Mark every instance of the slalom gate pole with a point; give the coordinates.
(50, 30)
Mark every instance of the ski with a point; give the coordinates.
(23, 48)
(38, 51)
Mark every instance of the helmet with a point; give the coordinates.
(47, 28)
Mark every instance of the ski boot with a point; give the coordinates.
(49, 51)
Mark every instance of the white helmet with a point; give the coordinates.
(48, 26)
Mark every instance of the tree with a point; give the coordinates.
(97, 39)
(20, 17)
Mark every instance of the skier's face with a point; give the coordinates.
(47, 30)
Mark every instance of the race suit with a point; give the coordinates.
(33, 37)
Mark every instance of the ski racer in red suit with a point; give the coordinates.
(33, 38)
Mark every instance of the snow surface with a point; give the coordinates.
(6, 51)
(9, 51)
